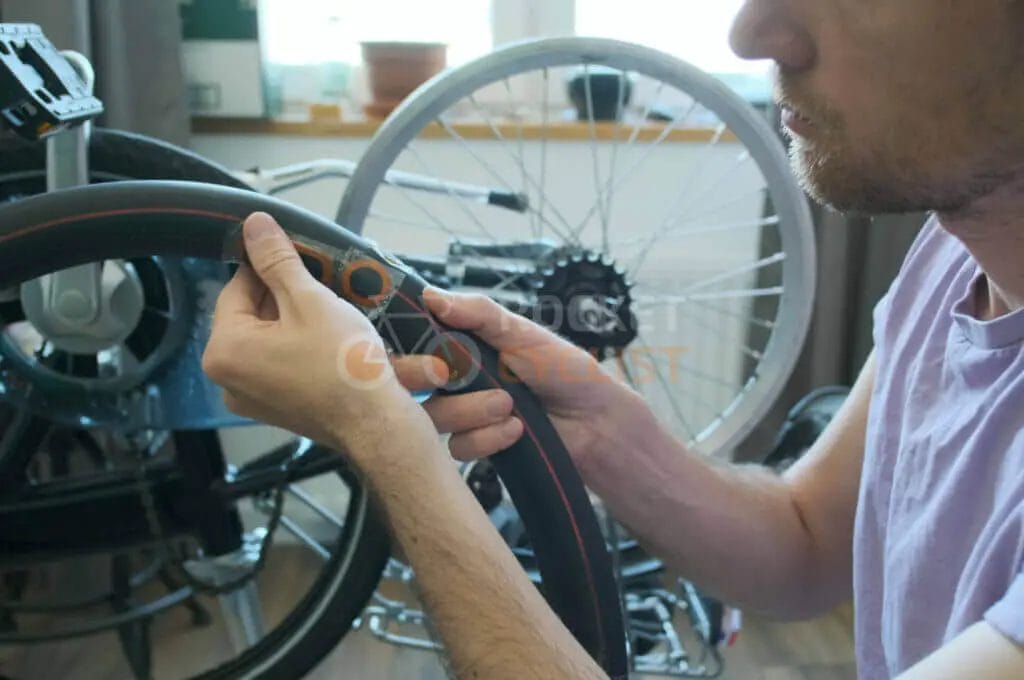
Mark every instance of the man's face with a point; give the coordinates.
(896, 105)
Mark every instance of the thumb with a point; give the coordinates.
(273, 256)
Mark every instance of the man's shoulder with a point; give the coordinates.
(935, 274)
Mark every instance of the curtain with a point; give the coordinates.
(134, 46)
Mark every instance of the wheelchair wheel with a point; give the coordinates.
(697, 290)
(64, 442)
(202, 221)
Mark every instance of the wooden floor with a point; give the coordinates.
(817, 650)
(813, 650)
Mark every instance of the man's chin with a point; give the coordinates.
(831, 183)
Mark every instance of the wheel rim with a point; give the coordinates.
(190, 219)
(763, 367)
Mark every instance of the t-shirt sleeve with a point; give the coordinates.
(1007, 615)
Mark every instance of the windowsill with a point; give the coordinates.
(553, 131)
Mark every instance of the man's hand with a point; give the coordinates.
(290, 353)
(585, 402)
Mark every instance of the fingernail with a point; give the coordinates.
(435, 292)
(513, 428)
(497, 405)
(440, 300)
(437, 371)
(260, 226)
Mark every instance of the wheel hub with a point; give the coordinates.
(585, 297)
(73, 323)
(149, 378)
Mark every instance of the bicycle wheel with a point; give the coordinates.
(347, 543)
(186, 219)
(70, 389)
(700, 288)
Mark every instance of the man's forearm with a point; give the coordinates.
(493, 621)
(734, 530)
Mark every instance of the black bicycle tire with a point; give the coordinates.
(121, 154)
(188, 219)
(116, 155)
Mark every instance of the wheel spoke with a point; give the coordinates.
(159, 312)
(629, 172)
(666, 386)
(671, 223)
(746, 318)
(594, 159)
(691, 393)
(454, 134)
(520, 154)
(609, 191)
(707, 377)
(717, 295)
(413, 223)
(609, 195)
(505, 278)
(693, 397)
(543, 152)
(735, 271)
(316, 506)
(736, 198)
(681, 196)
(678, 232)
(292, 527)
(741, 345)
(451, 194)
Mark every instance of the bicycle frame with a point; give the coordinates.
(277, 180)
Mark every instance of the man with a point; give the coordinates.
(912, 501)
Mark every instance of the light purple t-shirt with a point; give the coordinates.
(939, 540)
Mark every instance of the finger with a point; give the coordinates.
(237, 307)
(418, 373)
(481, 315)
(485, 441)
(238, 405)
(274, 258)
(463, 412)
(241, 296)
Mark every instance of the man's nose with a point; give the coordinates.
(769, 29)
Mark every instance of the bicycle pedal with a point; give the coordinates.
(41, 94)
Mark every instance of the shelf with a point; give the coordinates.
(554, 131)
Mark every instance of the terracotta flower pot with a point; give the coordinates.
(395, 69)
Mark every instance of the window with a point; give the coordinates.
(694, 30)
(311, 48)
(298, 32)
